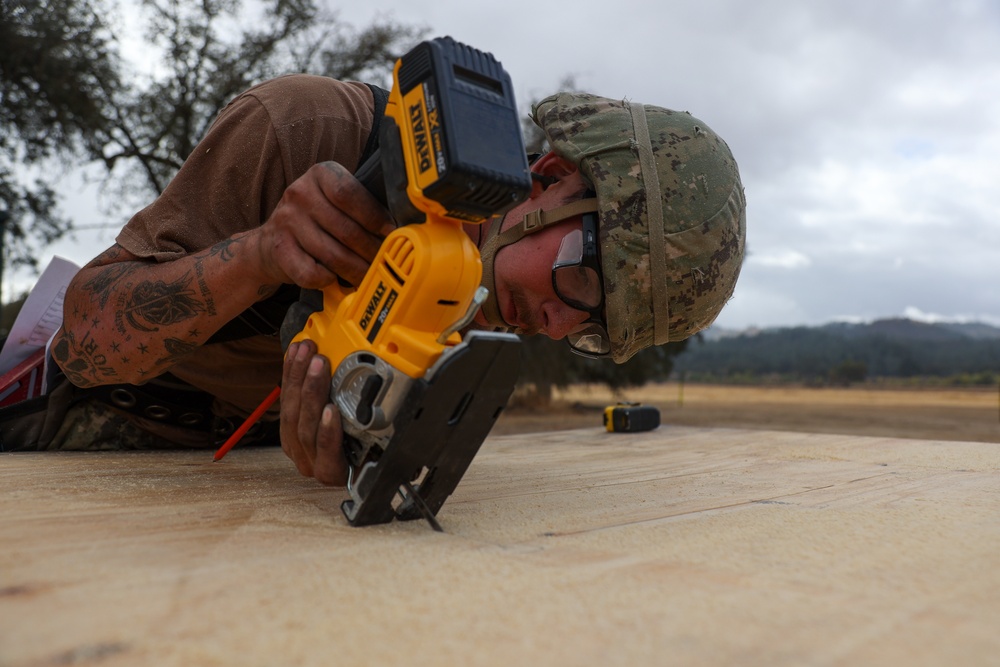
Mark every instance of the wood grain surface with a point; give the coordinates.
(680, 546)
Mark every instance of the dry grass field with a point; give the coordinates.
(926, 414)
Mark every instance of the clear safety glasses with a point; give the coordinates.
(576, 278)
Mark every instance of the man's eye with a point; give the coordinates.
(581, 285)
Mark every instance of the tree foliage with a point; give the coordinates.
(209, 58)
(548, 364)
(827, 355)
(58, 68)
(849, 372)
(64, 96)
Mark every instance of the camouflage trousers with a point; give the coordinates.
(71, 419)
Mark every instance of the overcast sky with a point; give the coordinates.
(867, 133)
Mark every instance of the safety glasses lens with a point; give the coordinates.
(571, 248)
(590, 340)
(577, 285)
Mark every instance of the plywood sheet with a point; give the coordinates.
(680, 546)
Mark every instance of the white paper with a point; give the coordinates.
(41, 315)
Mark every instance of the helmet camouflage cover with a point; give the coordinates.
(658, 174)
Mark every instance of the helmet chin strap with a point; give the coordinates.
(533, 221)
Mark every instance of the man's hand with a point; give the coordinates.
(326, 225)
(311, 431)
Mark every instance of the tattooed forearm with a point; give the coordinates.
(206, 292)
(225, 250)
(153, 304)
(128, 317)
(120, 326)
(102, 285)
(82, 362)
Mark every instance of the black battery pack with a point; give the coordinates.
(631, 418)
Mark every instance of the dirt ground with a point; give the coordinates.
(932, 414)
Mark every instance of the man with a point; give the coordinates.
(168, 332)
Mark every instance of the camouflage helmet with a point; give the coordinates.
(655, 292)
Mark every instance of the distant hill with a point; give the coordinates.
(906, 329)
(842, 351)
(976, 330)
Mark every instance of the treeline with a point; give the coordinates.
(547, 364)
(844, 355)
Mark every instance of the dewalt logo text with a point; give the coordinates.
(422, 144)
(372, 306)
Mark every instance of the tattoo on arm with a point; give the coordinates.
(120, 312)
(206, 292)
(153, 304)
(101, 285)
(82, 361)
(225, 250)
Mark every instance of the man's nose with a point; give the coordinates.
(561, 319)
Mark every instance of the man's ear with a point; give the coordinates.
(551, 166)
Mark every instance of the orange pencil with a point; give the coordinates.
(245, 426)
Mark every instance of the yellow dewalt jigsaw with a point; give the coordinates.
(417, 399)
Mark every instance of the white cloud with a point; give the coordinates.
(914, 313)
(781, 258)
(754, 307)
